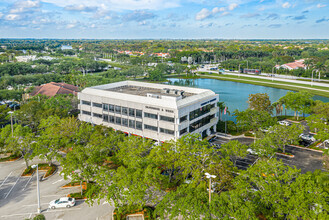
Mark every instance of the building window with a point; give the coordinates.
(166, 131)
(97, 105)
(183, 131)
(125, 122)
(105, 107)
(165, 118)
(200, 123)
(200, 111)
(118, 109)
(97, 115)
(111, 119)
(124, 110)
(132, 112)
(139, 113)
(150, 115)
(131, 124)
(150, 127)
(182, 119)
(86, 113)
(139, 125)
(111, 108)
(85, 102)
(105, 118)
(118, 120)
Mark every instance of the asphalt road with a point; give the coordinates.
(18, 196)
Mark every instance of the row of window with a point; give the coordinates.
(123, 121)
(129, 111)
(162, 130)
(201, 111)
(200, 123)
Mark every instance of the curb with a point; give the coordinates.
(42, 178)
(285, 155)
(305, 148)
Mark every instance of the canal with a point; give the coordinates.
(234, 94)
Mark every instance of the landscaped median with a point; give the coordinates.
(50, 170)
(123, 212)
(84, 186)
(10, 157)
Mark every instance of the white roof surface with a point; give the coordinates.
(164, 101)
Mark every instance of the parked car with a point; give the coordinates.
(284, 122)
(307, 137)
(62, 203)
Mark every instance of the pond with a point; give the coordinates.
(234, 94)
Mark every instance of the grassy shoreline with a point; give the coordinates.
(262, 82)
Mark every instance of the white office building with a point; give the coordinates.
(156, 111)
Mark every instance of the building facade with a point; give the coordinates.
(156, 111)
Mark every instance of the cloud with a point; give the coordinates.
(70, 26)
(80, 8)
(217, 10)
(120, 5)
(320, 5)
(302, 17)
(24, 6)
(138, 15)
(1, 15)
(250, 15)
(286, 5)
(232, 6)
(274, 25)
(321, 20)
(203, 14)
(272, 16)
(12, 17)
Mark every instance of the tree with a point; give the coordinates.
(253, 120)
(298, 102)
(234, 150)
(280, 135)
(22, 142)
(156, 75)
(260, 102)
(4, 116)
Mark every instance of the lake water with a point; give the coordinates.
(235, 95)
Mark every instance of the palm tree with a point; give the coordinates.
(320, 67)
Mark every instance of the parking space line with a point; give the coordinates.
(12, 215)
(12, 187)
(35, 204)
(50, 196)
(28, 182)
(62, 210)
(57, 181)
(5, 179)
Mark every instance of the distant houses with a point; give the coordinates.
(52, 89)
(298, 64)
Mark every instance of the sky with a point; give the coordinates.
(165, 19)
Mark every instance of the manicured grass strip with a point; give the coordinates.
(12, 157)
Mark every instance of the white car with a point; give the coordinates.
(62, 203)
(307, 137)
(285, 123)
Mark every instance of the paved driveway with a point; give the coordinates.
(18, 196)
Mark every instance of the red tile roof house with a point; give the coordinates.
(51, 89)
(293, 66)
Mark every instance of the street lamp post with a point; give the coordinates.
(312, 76)
(38, 189)
(209, 176)
(11, 123)
(273, 72)
(239, 70)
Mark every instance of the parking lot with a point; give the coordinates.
(304, 158)
(18, 196)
